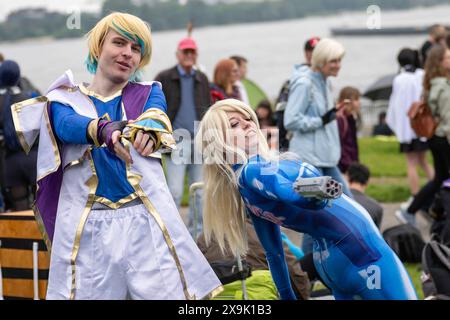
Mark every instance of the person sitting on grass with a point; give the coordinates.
(358, 177)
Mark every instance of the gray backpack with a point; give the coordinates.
(436, 270)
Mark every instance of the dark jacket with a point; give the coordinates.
(218, 93)
(374, 209)
(349, 143)
(171, 86)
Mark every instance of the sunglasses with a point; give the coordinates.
(188, 51)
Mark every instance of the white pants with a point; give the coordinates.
(122, 255)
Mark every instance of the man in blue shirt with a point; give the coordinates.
(187, 92)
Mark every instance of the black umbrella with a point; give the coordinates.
(380, 89)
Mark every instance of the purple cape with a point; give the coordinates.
(134, 97)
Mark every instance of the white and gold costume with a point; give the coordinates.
(139, 248)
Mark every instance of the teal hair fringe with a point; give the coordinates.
(92, 68)
(91, 64)
(131, 37)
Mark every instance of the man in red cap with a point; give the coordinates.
(187, 93)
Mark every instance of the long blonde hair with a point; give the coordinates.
(223, 209)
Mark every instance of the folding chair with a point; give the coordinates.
(193, 197)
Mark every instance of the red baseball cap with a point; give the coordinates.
(187, 43)
(311, 43)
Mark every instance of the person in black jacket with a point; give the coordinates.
(18, 170)
(358, 176)
(188, 97)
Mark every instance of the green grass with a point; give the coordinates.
(414, 270)
(388, 193)
(388, 169)
(382, 156)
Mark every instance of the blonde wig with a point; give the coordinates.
(223, 210)
(325, 51)
(127, 25)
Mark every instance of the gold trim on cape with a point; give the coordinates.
(117, 204)
(97, 96)
(214, 293)
(134, 180)
(56, 153)
(92, 183)
(41, 227)
(15, 109)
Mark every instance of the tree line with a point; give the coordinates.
(29, 23)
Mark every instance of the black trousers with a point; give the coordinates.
(440, 149)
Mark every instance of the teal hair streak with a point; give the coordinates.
(131, 37)
(91, 64)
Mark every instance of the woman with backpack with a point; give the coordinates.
(407, 89)
(437, 95)
(311, 113)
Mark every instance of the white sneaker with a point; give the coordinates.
(406, 218)
(404, 206)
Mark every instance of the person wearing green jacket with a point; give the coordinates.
(249, 91)
(437, 94)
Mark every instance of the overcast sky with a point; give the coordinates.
(6, 6)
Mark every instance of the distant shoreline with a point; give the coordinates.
(419, 24)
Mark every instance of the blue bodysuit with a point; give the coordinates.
(349, 252)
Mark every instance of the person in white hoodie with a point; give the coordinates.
(407, 89)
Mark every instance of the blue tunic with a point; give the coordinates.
(70, 127)
(349, 252)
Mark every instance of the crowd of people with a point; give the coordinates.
(423, 76)
(105, 165)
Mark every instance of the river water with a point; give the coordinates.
(271, 48)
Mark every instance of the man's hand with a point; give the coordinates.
(144, 143)
(119, 149)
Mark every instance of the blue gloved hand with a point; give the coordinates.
(296, 251)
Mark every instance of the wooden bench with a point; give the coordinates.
(18, 232)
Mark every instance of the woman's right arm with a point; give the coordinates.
(270, 237)
(275, 182)
(295, 118)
